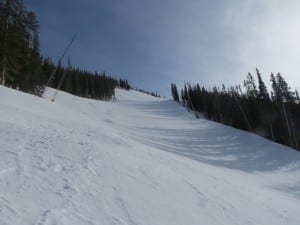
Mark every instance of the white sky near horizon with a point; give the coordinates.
(262, 34)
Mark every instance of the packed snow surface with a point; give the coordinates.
(136, 161)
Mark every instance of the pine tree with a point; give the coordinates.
(250, 86)
(297, 95)
(174, 92)
(21, 64)
(276, 93)
(284, 89)
(262, 89)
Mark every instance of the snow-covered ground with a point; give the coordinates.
(136, 161)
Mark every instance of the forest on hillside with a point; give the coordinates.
(23, 67)
(274, 115)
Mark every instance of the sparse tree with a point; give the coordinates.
(174, 92)
(262, 89)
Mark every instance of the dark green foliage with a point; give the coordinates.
(174, 92)
(284, 90)
(277, 119)
(154, 94)
(280, 89)
(124, 84)
(19, 49)
(297, 95)
(82, 83)
(250, 86)
(262, 89)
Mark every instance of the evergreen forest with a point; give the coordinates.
(274, 115)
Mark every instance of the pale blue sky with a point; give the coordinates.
(155, 42)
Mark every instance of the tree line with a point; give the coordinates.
(154, 94)
(22, 67)
(274, 115)
(80, 82)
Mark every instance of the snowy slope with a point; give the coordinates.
(136, 161)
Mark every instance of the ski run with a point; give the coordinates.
(138, 160)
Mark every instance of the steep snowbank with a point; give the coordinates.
(137, 161)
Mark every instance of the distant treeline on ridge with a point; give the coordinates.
(274, 115)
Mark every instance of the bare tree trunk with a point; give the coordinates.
(272, 132)
(192, 106)
(4, 57)
(294, 132)
(3, 71)
(60, 60)
(294, 136)
(287, 125)
(243, 113)
(27, 75)
(60, 83)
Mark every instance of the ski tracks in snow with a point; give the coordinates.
(118, 200)
(88, 171)
(103, 164)
(38, 165)
(70, 170)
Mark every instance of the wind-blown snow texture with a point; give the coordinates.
(136, 161)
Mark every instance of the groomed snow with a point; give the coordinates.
(136, 161)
